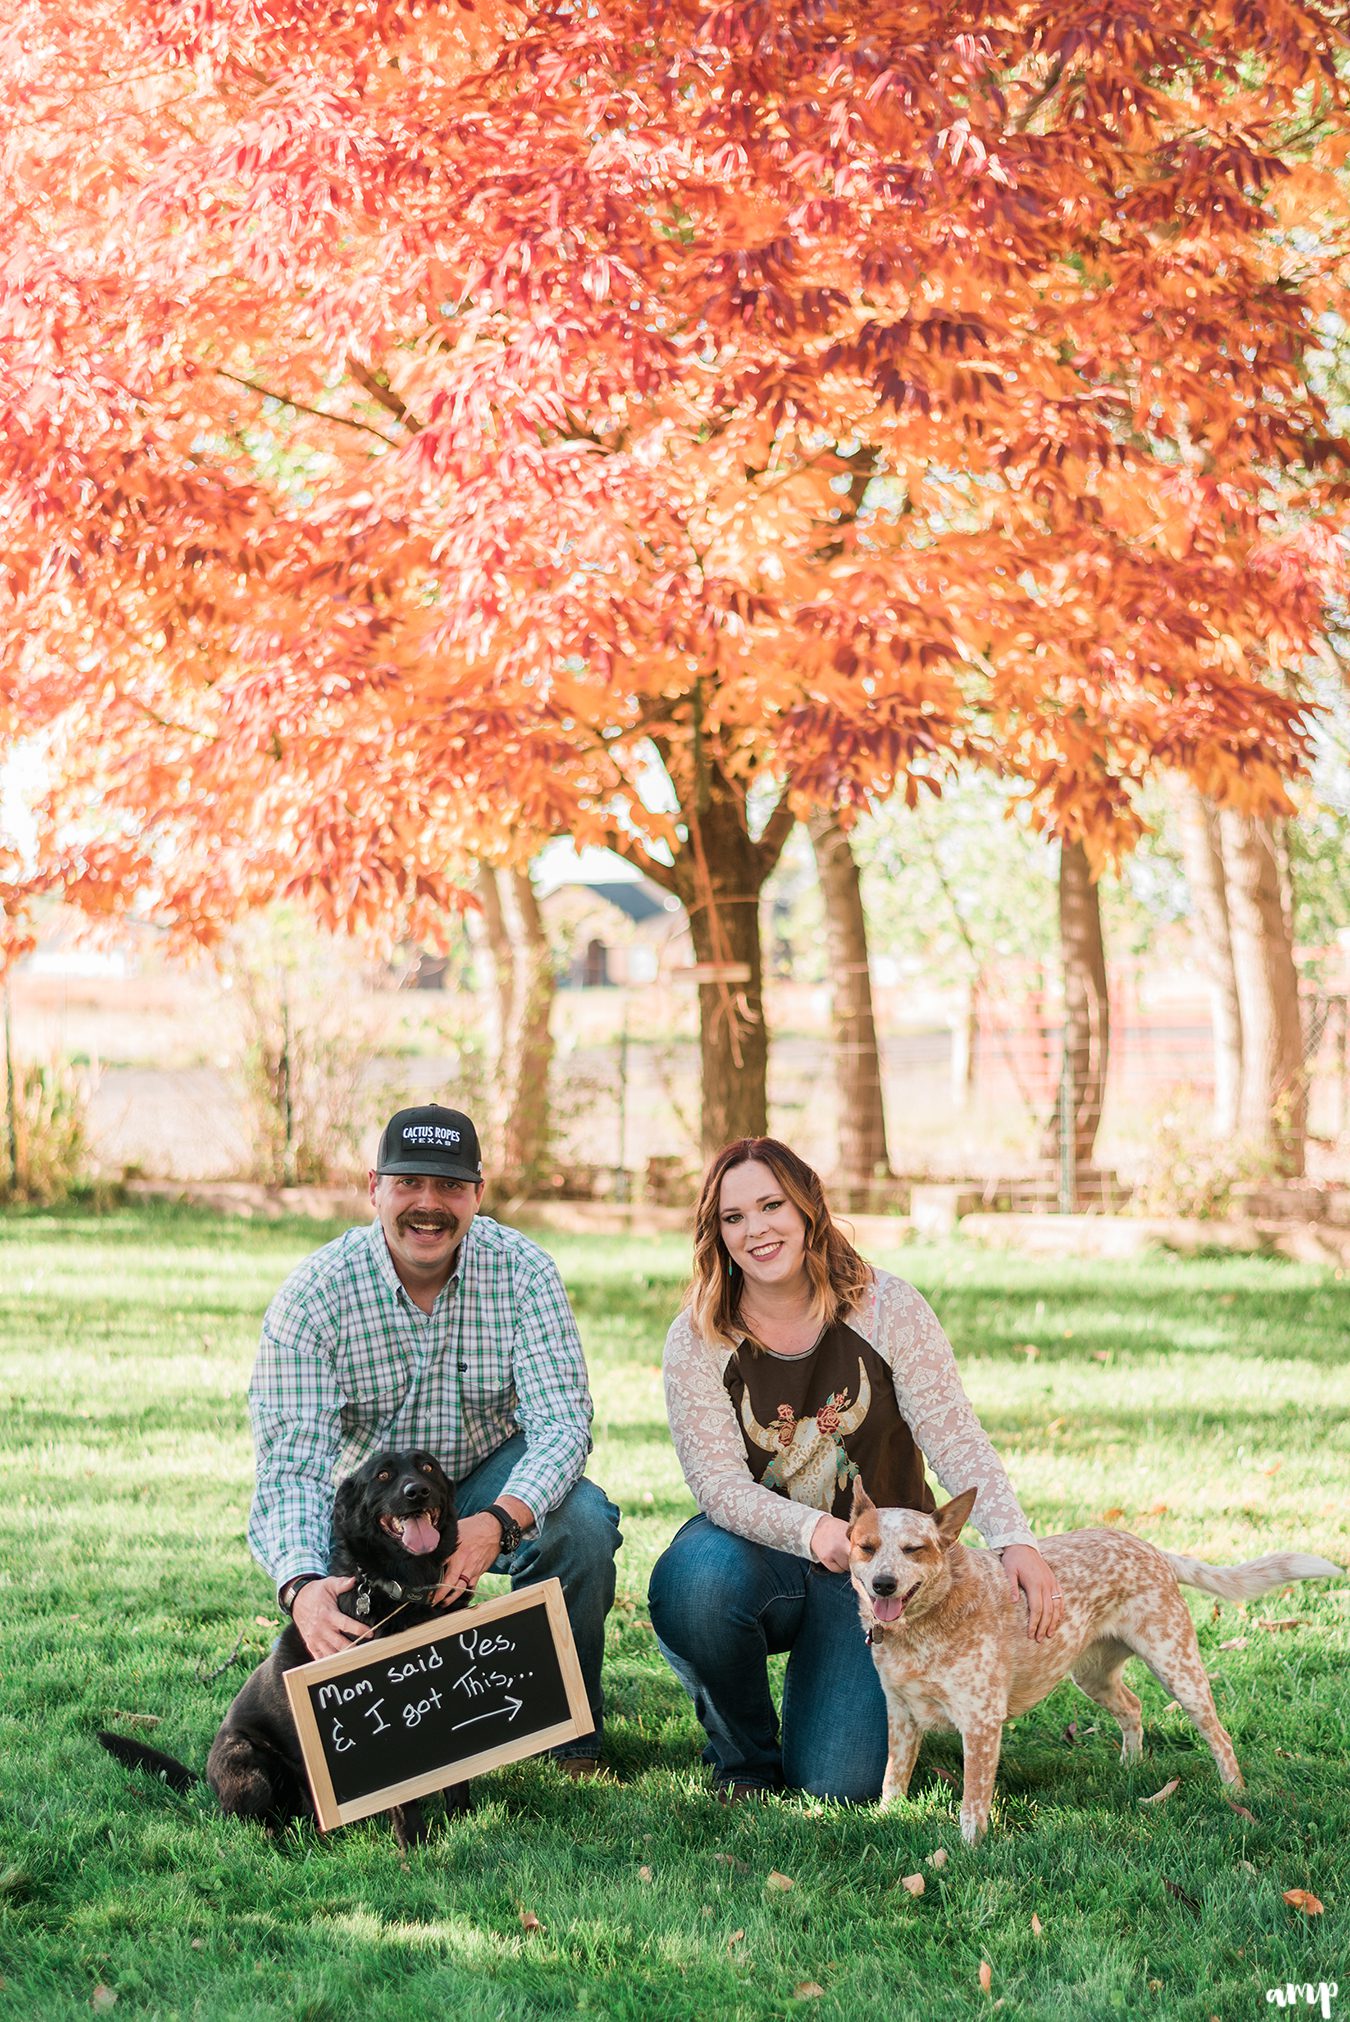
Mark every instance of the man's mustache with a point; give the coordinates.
(425, 1215)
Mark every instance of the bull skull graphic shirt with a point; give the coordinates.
(812, 1424)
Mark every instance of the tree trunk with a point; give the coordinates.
(1087, 1023)
(1202, 854)
(863, 1156)
(1273, 1099)
(719, 877)
(523, 989)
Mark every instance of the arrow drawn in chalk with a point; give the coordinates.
(511, 1709)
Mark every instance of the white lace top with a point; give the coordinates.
(903, 1329)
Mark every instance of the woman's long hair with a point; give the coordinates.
(838, 1275)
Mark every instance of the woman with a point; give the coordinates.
(794, 1368)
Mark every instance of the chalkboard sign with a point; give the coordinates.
(408, 1714)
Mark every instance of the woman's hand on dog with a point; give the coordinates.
(324, 1630)
(829, 1543)
(1028, 1573)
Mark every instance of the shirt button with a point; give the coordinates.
(463, 1368)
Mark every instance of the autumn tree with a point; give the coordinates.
(424, 429)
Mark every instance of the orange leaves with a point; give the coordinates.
(411, 437)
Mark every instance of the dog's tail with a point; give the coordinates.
(1257, 1576)
(135, 1755)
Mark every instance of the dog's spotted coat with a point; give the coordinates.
(951, 1646)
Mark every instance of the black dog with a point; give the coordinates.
(393, 1528)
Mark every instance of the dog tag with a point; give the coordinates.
(363, 1603)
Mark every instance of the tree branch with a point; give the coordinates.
(384, 396)
(776, 832)
(285, 400)
(636, 852)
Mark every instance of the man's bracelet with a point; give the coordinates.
(286, 1596)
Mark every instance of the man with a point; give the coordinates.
(438, 1328)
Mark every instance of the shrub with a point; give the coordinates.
(304, 1053)
(1188, 1172)
(46, 1135)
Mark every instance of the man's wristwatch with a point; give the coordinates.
(286, 1595)
(511, 1531)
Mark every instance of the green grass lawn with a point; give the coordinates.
(1201, 1403)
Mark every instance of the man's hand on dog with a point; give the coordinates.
(1028, 1573)
(480, 1541)
(324, 1630)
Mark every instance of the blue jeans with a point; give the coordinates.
(720, 1605)
(574, 1543)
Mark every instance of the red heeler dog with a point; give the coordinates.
(952, 1651)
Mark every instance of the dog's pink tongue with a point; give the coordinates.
(420, 1536)
(888, 1607)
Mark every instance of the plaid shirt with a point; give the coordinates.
(348, 1365)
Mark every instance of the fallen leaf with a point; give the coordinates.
(1241, 1810)
(809, 1990)
(1234, 1643)
(1112, 1516)
(1158, 1509)
(1175, 1889)
(266, 1621)
(1305, 1900)
(730, 1861)
(1215, 1612)
(734, 1939)
(947, 1775)
(529, 1921)
(1071, 1732)
(1172, 1706)
(773, 1880)
(938, 1857)
(1274, 1468)
(913, 1884)
(1284, 1622)
(1055, 1425)
(1161, 1796)
(104, 1997)
(1248, 1867)
(986, 1976)
(644, 1874)
(1027, 1348)
(199, 1944)
(1287, 1753)
(1099, 1354)
(1036, 1925)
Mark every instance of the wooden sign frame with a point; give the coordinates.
(329, 1811)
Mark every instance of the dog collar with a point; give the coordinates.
(394, 1590)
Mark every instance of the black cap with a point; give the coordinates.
(440, 1142)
